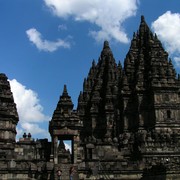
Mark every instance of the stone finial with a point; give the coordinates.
(142, 18)
(29, 135)
(24, 135)
(106, 50)
(65, 90)
(106, 44)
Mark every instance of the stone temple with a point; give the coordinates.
(126, 125)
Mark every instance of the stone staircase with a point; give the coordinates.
(65, 171)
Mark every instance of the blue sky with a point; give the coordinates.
(45, 44)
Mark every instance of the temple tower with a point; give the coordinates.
(97, 102)
(8, 117)
(153, 99)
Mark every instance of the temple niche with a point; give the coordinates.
(126, 125)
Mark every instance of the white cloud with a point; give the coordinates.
(29, 109)
(108, 15)
(36, 38)
(34, 128)
(20, 131)
(167, 27)
(62, 27)
(177, 61)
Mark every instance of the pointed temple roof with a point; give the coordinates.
(147, 61)
(65, 101)
(103, 74)
(64, 106)
(100, 87)
(64, 117)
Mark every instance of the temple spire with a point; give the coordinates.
(106, 45)
(106, 50)
(142, 19)
(65, 102)
(102, 83)
(65, 93)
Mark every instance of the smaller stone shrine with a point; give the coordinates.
(65, 125)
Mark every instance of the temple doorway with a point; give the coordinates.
(65, 150)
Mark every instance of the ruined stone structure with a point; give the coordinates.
(126, 126)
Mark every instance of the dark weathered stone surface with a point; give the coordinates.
(8, 118)
(131, 114)
(126, 126)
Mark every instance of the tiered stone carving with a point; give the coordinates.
(8, 116)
